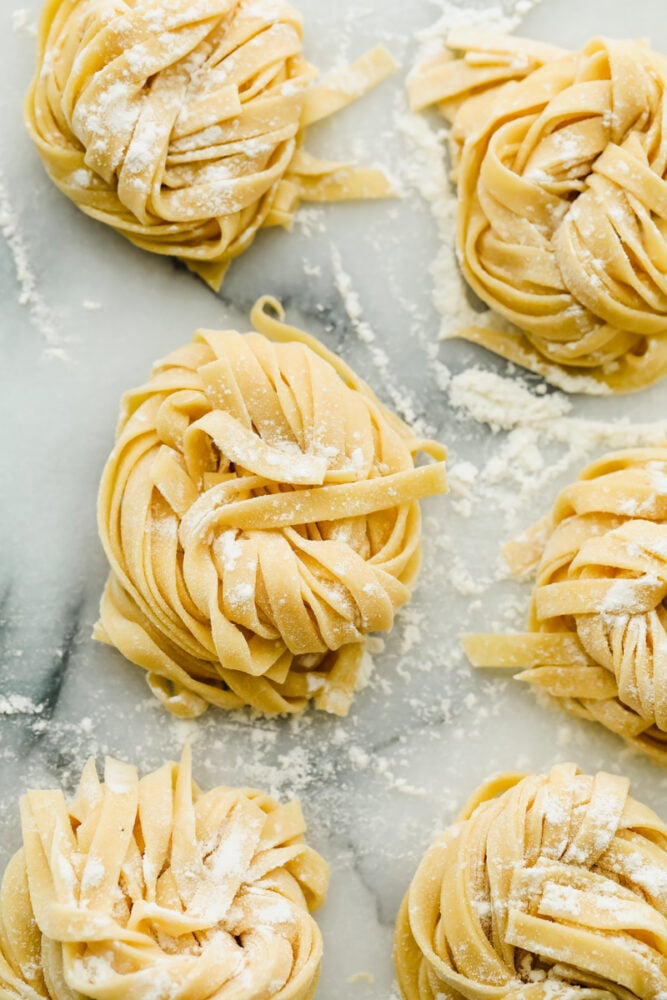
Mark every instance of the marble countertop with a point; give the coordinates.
(84, 315)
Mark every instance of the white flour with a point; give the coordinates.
(18, 704)
(542, 443)
(23, 22)
(42, 316)
(399, 396)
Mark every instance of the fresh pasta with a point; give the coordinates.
(548, 886)
(150, 889)
(561, 166)
(260, 515)
(596, 641)
(180, 124)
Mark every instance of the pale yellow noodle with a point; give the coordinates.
(549, 886)
(561, 165)
(596, 640)
(260, 514)
(150, 889)
(180, 124)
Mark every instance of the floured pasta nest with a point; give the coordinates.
(153, 890)
(548, 886)
(597, 640)
(180, 124)
(561, 165)
(260, 515)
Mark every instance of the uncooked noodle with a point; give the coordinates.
(561, 166)
(150, 889)
(180, 124)
(596, 641)
(259, 512)
(549, 886)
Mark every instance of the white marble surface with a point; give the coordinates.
(374, 787)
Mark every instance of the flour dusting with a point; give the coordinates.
(42, 316)
(23, 22)
(543, 439)
(17, 704)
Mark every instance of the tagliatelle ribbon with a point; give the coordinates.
(547, 886)
(597, 641)
(181, 125)
(150, 888)
(561, 168)
(260, 514)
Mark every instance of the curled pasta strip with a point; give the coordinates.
(149, 889)
(259, 512)
(561, 165)
(596, 639)
(180, 124)
(549, 886)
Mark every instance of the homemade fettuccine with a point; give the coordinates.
(180, 124)
(259, 512)
(597, 640)
(149, 889)
(561, 165)
(549, 886)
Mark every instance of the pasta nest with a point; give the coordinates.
(597, 642)
(153, 890)
(259, 512)
(548, 886)
(561, 164)
(180, 124)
